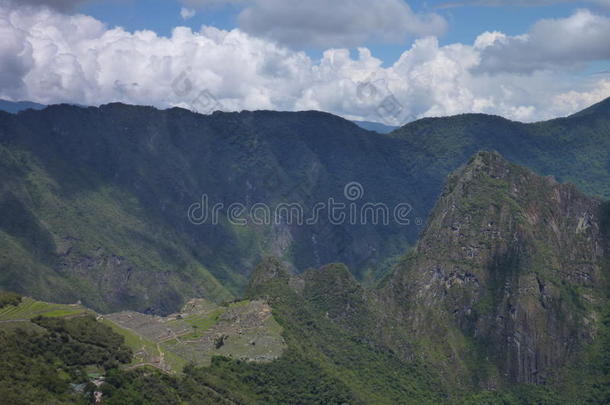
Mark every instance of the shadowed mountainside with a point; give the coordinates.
(94, 200)
(510, 268)
(503, 301)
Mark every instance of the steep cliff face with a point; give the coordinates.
(507, 274)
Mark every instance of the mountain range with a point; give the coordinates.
(95, 200)
(502, 298)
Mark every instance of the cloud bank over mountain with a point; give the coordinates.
(50, 56)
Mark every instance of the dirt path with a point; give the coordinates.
(161, 357)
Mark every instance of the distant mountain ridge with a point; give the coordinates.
(96, 198)
(376, 126)
(14, 107)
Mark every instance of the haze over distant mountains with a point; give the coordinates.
(17, 106)
(375, 126)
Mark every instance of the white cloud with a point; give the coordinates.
(575, 101)
(337, 23)
(577, 39)
(51, 57)
(187, 13)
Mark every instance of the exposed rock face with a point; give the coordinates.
(509, 263)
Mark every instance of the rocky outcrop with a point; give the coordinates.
(507, 272)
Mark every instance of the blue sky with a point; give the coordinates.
(466, 22)
(389, 61)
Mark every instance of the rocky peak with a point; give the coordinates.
(509, 261)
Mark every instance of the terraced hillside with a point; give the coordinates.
(14, 317)
(243, 330)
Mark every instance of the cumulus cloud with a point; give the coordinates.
(582, 37)
(575, 101)
(337, 23)
(187, 13)
(51, 57)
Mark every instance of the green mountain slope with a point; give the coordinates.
(508, 283)
(103, 194)
(94, 201)
(575, 149)
(504, 300)
(322, 364)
